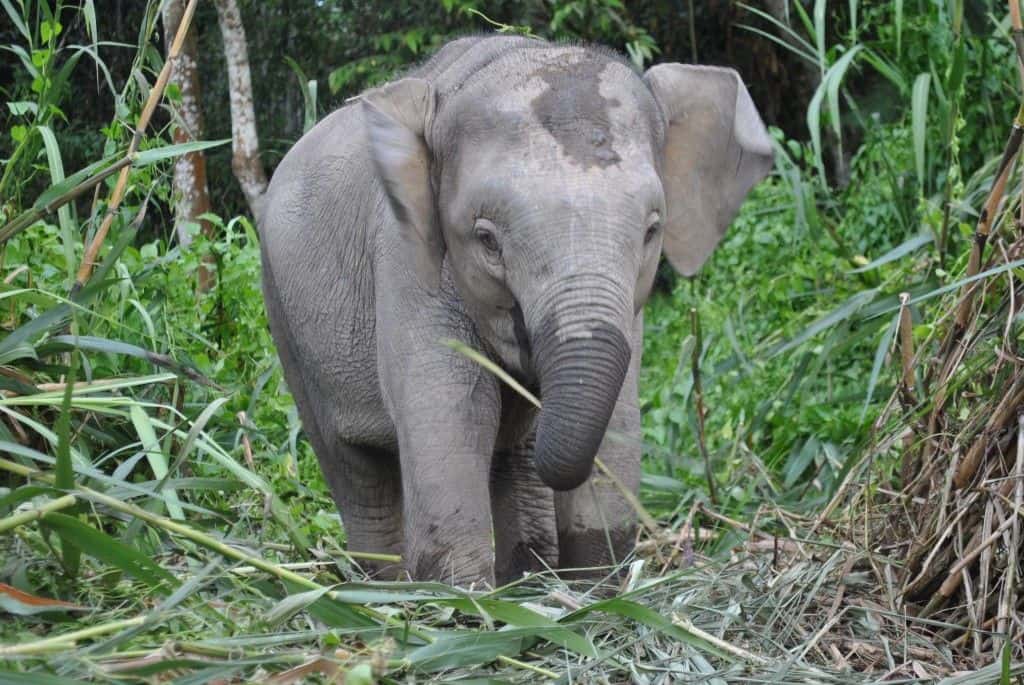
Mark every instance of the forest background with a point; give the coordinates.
(843, 376)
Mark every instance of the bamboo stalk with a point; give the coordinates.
(907, 392)
(93, 249)
(907, 350)
(63, 642)
(1009, 596)
(985, 222)
(550, 675)
(954, 577)
(26, 219)
(1001, 417)
(951, 352)
(728, 647)
(36, 513)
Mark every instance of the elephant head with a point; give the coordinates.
(549, 183)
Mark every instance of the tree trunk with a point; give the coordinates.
(245, 160)
(191, 195)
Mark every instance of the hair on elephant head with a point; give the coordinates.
(553, 191)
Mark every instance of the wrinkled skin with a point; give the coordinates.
(512, 195)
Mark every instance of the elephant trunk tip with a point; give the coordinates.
(580, 384)
(562, 476)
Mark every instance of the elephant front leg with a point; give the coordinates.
(524, 515)
(447, 425)
(596, 523)
(447, 512)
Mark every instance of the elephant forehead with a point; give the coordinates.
(570, 106)
(575, 108)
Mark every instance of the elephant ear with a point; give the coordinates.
(397, 116)
(716, 150)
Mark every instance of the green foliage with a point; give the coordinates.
(796, 305)
(384, 54)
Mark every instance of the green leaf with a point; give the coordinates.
(919, 119)
(49, 29)
(89, 12)
(799, 460)
(900, 250)
(22, 351)
(651, 619)
(521, 617)
(819, 31)
(308, 88)
(470, 648)
(58, 189)
(111, 551)
(156, 458)
(16, 19)
(23, 107)
(1004, 662)
(884, 345)
(158, 154)
(843, 312)
(293, 604)
(64, 475)
(898, 22)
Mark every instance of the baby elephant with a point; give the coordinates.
(512, 195)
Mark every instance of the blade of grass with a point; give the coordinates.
(156, 458)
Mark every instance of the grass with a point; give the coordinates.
(161, 517)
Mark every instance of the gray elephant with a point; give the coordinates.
(513, 195)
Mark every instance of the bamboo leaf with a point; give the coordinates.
(293, 604)
(308, 88)
(651, 619)
(157, 460)
(67, 228)
(469, 648)
(158, 154)
(16, 20)
(819, 32)
(111, 551)
(919, 119)
(884, 344)
(834, 79)
(897, 252)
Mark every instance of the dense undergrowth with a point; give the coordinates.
(199, 538)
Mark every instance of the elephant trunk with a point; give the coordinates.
(581, 357)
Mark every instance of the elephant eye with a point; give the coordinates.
(487, 237)
(652, 231)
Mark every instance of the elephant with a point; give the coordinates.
(513, 195)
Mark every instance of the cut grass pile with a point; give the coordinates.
(215, 600)
(214, 609)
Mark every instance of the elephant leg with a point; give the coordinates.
(366, 485)
(596, 524)
(446, 409)
(523, 511)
